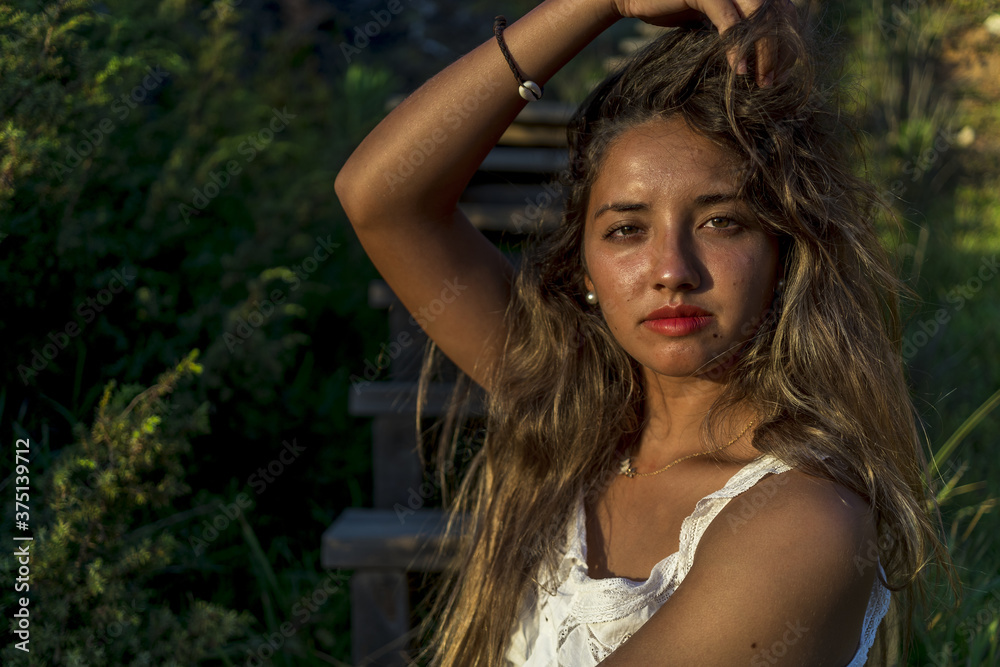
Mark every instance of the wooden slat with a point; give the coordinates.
(525, 160)
(385, 539)
(534, 135)
(381, 296)
(544, 112)
(374, 399)
(516, 194)
(538, 124)
(513, 219)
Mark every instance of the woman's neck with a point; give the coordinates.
(675, 411)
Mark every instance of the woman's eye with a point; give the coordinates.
(722, 223)
(628, 230)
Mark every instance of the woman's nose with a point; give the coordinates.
(675, 266)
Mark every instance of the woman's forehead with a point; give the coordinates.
(669, 137)
(665, 155)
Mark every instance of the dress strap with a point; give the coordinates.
(709, 507)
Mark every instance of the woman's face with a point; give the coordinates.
(663, 229)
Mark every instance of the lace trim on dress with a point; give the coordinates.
(600, 600)
(878, 605)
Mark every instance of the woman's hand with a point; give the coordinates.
(722, 13)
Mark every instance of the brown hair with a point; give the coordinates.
(824, 366)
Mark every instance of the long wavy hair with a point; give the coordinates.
(823, 370)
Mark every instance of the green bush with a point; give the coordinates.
(107, 279)
(91, 562)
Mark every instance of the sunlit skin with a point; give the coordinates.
(663, 228)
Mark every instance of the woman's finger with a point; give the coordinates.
(765, 61)
(765, 48)
(724, 15)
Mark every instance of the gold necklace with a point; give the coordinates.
(629, 471)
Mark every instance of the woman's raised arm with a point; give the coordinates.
(400, 188)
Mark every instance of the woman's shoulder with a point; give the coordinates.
(790, 499)
(821, 525)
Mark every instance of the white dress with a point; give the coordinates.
(588, 618)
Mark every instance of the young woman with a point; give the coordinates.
(695, 380)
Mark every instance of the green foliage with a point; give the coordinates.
(90, 597)
(133, 201)
(951, 214)
(118, 121)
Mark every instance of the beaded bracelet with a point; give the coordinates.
(529, 90)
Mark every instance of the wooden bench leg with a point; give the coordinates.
(380, 618)
(396, 468)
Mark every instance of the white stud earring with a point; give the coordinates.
(781, 284)
(591, 298)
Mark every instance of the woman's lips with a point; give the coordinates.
(677, 326)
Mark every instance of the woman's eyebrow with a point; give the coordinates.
(716, 198)
(701, 201)
(620, 207)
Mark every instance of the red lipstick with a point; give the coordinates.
(679, 320)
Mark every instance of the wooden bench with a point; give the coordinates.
(381, 547)
(514, 191)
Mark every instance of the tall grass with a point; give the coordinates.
(952, 220)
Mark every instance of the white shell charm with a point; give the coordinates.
(530, 91)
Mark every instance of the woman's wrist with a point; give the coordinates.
(575, 22)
